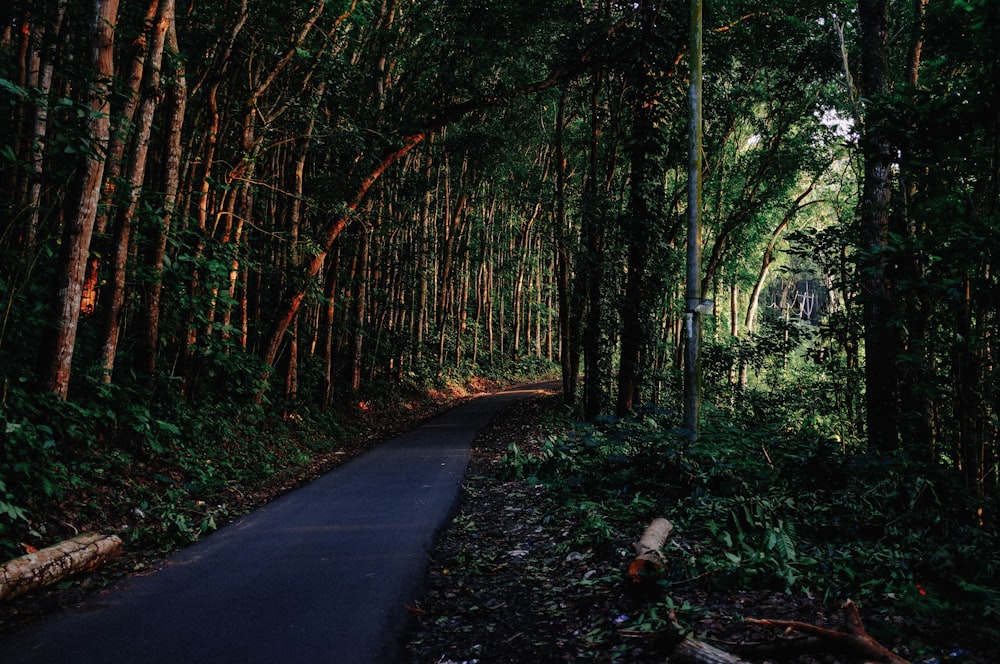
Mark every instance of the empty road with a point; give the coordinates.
(322, 574)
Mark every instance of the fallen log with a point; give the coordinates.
(82, 553)
(855, 642)
(649, 561)
(685, 649)
(699, 652)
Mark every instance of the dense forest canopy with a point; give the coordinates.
(261, 207)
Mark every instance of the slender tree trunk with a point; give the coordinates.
(490, 302)
(115, 297)
(76, 244)
(41, 129)
(118, 142)
(171, 183)
(329, 313)
(461, 317)
(119, 139)
(570, 371)
(593, 272)
(539, 307)
(967, 382)
(358, 313)
(420, 317)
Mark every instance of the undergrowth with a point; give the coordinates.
(775, 508)
(161, 470)
(160, 475)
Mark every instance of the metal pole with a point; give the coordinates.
(692, 322)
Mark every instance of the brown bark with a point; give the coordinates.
(329, 234)
(79, 230)
(150, 99)
(120, 137)
(591, 274)
(917, 422)
(38, 136)
(329, 315)
(648, 559)
(359, 310)
(82, 553)
(524, 253)
(635, 311)
(292, 375)
(699, 652)
(855, 642)
(171, 185)
(420, 316)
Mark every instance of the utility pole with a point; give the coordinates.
(694, 308)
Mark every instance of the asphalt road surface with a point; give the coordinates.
(322, 574)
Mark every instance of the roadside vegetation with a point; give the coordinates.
(237, 239)
(771, 521)
(166, 472)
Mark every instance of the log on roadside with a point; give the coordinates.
(649, 561)
(82, 553)
(687, 650)
(693, 651)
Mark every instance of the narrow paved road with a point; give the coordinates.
(323, 574)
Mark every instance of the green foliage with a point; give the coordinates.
(164, 473)
(774, 507)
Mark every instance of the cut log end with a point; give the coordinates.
(649, 561)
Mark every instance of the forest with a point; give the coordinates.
(232, 233)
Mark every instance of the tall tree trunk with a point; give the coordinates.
(570, 373)
(881, 389)
(171, 183)
(358, 313)
(41, 127)
(118, 142)
(79, 230)
(917, 425)
(292, 374)
(329, 313)
(134, 94)
(115, 292)
(420, 316)
(461, 316)
(593, 272)
(967, 382)
(640, 233)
